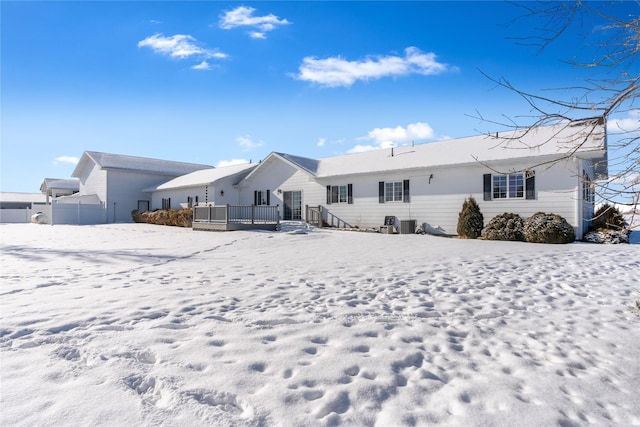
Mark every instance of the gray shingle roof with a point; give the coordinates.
(60, 184)
(543, 142)
(140, 164)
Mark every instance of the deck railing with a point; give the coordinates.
(227, 214)
(319, 216)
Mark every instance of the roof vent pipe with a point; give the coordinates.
(391, 151)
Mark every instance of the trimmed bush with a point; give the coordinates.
(548, 228)
(470, 220)
(506, 226)
(608, 217)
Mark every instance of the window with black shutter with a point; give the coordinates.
(261, 197)
(393, 191)
(530, 184)
(511, 186)
(487, 186)
(405, 191)
(340, 194)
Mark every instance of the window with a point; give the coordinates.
(166, 203)
(512, 186)
(189, 202)
(500, 187)
(516, 186)
(393, 191)
(261, 197)
(508, 186)
(340, 194)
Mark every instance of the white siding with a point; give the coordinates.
(124, 191)
(179, 197)
(436, 204)
(557, 191)
(279, 175)
(94, 181)
(76, 214)
(366, 211)
(13, 216)
(207, 194)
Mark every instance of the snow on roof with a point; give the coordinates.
(206, 176)
(310, 165)
(22, 197)
(551, 141)
(60, 184)
(79, 198)
(138, 164)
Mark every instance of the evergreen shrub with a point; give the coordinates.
(470, 220)
(548, 228)
(506, 226)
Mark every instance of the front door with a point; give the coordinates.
(292, 205)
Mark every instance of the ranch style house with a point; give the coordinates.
(549, 169)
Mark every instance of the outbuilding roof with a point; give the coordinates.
(60, 184)
(9, 197)
(136, 164)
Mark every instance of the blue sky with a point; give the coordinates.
(225, 82)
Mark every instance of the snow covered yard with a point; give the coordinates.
(135, 324)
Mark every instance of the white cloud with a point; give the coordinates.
(257, 35)
(179, 46)
(232, 162)
(393, 137)
(66, 159)
(204, 65)
(321, 142)
(628, 124)
(362, 148)
(246, 143)
(336, 71)
(243, 16)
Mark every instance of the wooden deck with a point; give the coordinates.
(231, 218)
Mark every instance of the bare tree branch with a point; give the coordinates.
(613, 91)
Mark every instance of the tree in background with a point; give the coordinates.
(611, 51)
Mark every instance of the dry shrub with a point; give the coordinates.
(172, 217)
